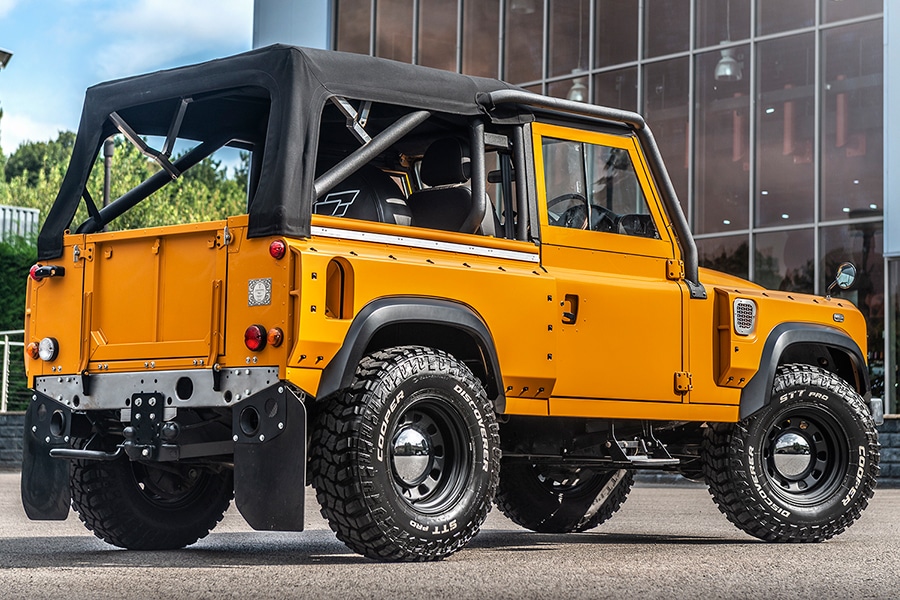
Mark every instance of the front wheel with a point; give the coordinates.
(405, 462)
(803, 468)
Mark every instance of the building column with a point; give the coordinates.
(291, 22)
(891, 201)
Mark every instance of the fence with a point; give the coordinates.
(5, 376)
(18, 222)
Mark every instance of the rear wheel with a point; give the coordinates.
(803, 468)
(560, 500)
(149, 506)
(405, 462)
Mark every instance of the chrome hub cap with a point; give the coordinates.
(412, 456)
(791, 455)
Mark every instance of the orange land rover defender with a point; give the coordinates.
(444, 292)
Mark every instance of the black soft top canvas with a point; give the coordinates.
(298, 83)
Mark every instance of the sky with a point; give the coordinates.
(62, 47)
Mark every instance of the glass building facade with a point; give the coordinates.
(769, 114)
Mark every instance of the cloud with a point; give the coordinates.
(16, 129)
(6, 7)
(152, 34)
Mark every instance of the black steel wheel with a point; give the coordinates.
(803, 468)
(560, 500)
(149, 506)
(405, 462)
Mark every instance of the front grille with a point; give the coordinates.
(744, 316)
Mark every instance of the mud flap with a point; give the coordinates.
(45, 480)
(270, 459)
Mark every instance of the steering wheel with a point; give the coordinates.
(603, 219)
(574, 217)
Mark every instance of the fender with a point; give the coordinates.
(394, 310)
(758, 391)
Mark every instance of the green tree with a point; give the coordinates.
(205, 192)
(32, 158)
(16, 256)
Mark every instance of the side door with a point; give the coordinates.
(620, 327)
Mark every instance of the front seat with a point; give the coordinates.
(447, 204)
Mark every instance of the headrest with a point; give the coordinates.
(446, 162)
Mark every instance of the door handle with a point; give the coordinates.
(571, 315)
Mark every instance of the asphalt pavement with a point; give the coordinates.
(667, 541)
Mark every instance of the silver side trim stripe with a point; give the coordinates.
(397, 240)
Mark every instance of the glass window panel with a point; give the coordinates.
(524, 41)
(667, 27)
(861, 244)
(571, 89)
(354, 18)
(833, 10)
(783, 15)
(852, 142)
(393, 29)
(722, 21)
(617, 32)
(666, 110)
(481, 32)
(727, 254)
(617, 89)
(594, 187)
(786, 131)
(722, 144)
(437, 34)
(570, 34)
(783, 260)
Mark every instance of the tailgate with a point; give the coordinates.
(156, 293)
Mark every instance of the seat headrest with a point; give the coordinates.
(446, 162)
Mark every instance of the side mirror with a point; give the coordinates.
(846, 276)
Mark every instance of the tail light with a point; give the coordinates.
(48, 349)
(255, 338)
(277, 249)
(40, 272)
(275, 337)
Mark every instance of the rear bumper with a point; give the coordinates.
(267, 441)
(189, 388)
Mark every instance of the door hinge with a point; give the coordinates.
(674, 269)
(683, 383)
(78, 253)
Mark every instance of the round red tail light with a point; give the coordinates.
(255, 338)
(32, 272)
(277, 249)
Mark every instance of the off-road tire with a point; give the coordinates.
(379, 502)
(558, 501)
(826, 467)
(119, 501)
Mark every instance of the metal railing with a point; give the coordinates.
(18, 221)
(4, 378)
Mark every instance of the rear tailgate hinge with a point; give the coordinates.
(78, 253)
